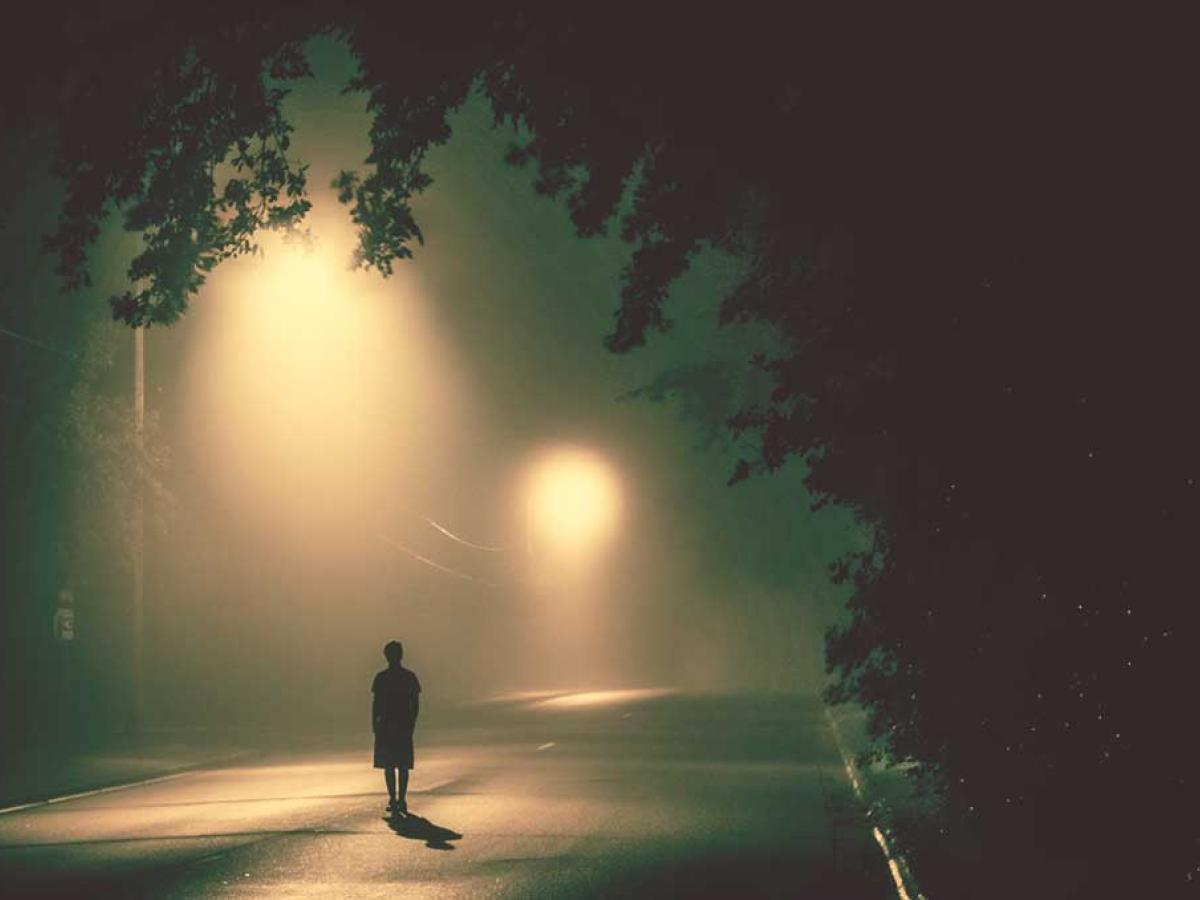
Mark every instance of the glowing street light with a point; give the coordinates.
(572, 502)
(323, 397)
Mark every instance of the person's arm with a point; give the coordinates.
(375, 715)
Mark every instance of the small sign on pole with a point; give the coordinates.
(64, 617)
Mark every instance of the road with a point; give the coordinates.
(580, 795)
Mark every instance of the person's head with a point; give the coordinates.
(393, 651)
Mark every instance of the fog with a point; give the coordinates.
(350, 459)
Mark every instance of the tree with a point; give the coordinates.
(176, 122)
(968, 374)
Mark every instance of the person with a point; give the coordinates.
(394, 710)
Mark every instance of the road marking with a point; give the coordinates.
(547, 745)
(895, 862)
(10, 809)
(122, 787)
(104, 790)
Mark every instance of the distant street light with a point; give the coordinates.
(572, 503)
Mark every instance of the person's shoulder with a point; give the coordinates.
(379, 676)
(412, 676)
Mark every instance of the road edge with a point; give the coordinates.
(111, 788)
(906, 886)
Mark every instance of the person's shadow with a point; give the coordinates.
(417, 828)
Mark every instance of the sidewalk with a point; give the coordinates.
(30, 774)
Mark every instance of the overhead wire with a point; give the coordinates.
(34, 342)
(454, 537)
(433, 563)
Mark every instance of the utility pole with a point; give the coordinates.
(139, 527)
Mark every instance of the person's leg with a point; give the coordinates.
(389, 776)
(402, 789)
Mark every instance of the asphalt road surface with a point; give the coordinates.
(581, 795)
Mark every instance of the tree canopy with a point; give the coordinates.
(986, 366)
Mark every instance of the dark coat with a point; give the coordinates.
(394, 715)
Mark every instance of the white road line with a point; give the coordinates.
(104, 790)
(895, 862)
(117, 787)
(547, 745)
(10, 809)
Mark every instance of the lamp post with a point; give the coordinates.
(139, 527)
(139, 511)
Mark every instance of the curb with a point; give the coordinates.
(906, 887)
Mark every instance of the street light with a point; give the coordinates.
(572, 503)
(323, 399)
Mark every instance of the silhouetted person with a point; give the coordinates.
(393, 718)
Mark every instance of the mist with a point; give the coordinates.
(346, 459)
